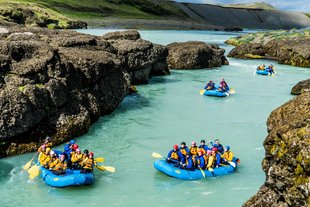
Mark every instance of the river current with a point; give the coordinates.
(165, 112)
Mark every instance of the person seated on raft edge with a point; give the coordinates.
(48, 142)
(217, 144)
(211, 159)
(76, 159)
(175, 156)
(88, 163)
(200, 160)
(223, 86)
(217, 155)
(270, 69)
(183, 149)
(59, 166)
(203, 147)
(49, 160)
(193, 149)
(227, 155)
(262, 67)
(189, 162)
(210, 85)
(73, 148)
(44, 155)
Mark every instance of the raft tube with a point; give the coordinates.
(215, 92)
(172, 171)
(262, 72)
(71, 178)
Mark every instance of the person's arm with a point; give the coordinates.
(169, 154)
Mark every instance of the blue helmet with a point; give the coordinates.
(227, 148)
(72, 142)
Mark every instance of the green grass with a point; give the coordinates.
(83, 9)
(257, 5)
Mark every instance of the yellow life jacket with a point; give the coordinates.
(174, 155)
(193, 150)
(211, 161)
(49, 144)
(54, 163)
(88, 163)
(183, 151)
(228, 155)
(42, 157)
(48, 161)
(75, 157)
(60, 166)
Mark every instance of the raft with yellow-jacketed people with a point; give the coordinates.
(197, 162)
(68, 168)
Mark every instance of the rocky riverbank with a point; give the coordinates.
(287, 158)
(287, 47)
(59, 82)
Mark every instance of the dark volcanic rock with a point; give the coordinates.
(195, 55)
(233, 29)
(300, 87)
(57, 83)
(287, 159)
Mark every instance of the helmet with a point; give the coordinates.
(62, 156)
(47, 150)
(72, 142)
(216, 140)
(227, 148)
(202, 141)
(78, 150)
(91, 154)
(175, 146)
(52, 152)
(48, 138)
(85, 151)
(75, 146)
(200, 152)
(193, 143)
(214, 149)
(209, 152)
(183, 143)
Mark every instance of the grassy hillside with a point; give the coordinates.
(103, 8)
(257, 5)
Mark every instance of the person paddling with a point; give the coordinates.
(193, 149)
(203, 147)
(189, 163)
(210, 86)
(200, 160)
(227, 156)
(183, 149)
(175, 156)
(88, 163)
(270, 70)
(60, 166)
(218, 145)
(68, 148)
(223, 86)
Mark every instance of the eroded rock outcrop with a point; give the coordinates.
(301, 87)
(59, 82)
(287, 159)
(195, 55)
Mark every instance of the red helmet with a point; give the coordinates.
(91, 154)
(175, 146)
(214, 149)
(75, 146)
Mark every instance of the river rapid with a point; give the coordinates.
(165, 112)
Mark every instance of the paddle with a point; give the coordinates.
(232, 164)
(34, 173)
(33, 168)
(107, 168)
(202, 172)
(157, 155)
(27, 165)
(99, 159)
(202, 91)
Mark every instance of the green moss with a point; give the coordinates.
(254, 56)
(21, 89)
(299, 170)
(40, 86)
(52, 26)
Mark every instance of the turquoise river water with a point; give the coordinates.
(167, 111)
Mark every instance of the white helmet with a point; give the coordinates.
(52, 152)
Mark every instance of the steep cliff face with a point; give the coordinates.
(59, 82)
(246, 18)
(287, 159)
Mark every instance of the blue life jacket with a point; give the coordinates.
(67, 149)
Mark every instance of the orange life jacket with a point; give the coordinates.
(75, 157)
(174, 155)
(183, 151)
(88, 163)
(60, 166)
(193, 150)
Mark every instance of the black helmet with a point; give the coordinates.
(86, 152)
(183, 143)
(203, 141)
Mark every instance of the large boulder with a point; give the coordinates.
(300, 87)
(195, 55)
(287, 158)
(57, 83)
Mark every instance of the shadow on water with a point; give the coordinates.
(163, 79)
(5, 169)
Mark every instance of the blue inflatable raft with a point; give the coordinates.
(215, 92)
(172, 171)
(71, 178)
(262, 72)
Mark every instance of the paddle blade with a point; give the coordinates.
(156, 155)
(232, 164)
(34, 174)
(99, 159)
(232, 91)
(100, 167)
(202, 172)
(202, 92)
(210, 169)
(109, 168)
(27, 165)
(33, 169)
